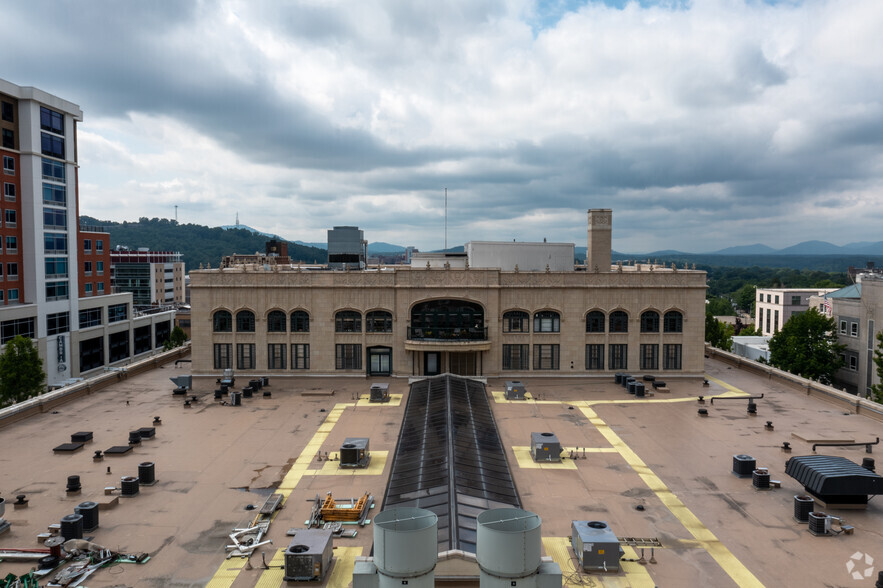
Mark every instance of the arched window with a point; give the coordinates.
(276, 322)
(348, 321)
(546, 321)
(378, 321)
(245, 321)
(673, 322)
(447, 319)
(300, 322)
(516, 321)
(650, 322)
(222, 322)
(619, 322)
(595, 322)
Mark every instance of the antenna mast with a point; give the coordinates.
(176, 213)
(446, 220)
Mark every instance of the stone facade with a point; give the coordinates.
(570, 295)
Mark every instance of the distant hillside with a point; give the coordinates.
(197, 243)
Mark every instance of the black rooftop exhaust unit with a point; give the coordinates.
(835, 481)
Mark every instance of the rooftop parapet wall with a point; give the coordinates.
(830, 394)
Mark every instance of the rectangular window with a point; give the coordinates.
(53, 194)
(348, 356)
(10, 217)
(11, 272)
(777, 299)
(8, 165)
(117, 312)
(100, 286)
(118, 346)
(87, 267)
(51, 121)
(12, 295)
(11, 244)
(545, 357)
(8, 110)
(223, 356)
(853, 363)
(649, 356)
(795, 301)
(276, 356)
(515, 322)
(54, 218)
(769, 327)
(51, 145)
(853, 329)
(91, 354)
(99, 245)
(595, 356)
(53, 171)
(54, 243)
(546, 322)
(88, 288)
(8, 139)
(9, 192)
(245, 356)
(87, 245)
(11, 329)
(769, 298)
(776, 321)
(99, 268)
(142, 339)
(619, 356)
(56, 290)
(843, 327)
(90, 318)
(161, 333)
(516, 357)
(300, 356)
(671, 356)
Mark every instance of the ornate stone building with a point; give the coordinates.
(482, 321)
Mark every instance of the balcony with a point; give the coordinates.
(447, 338)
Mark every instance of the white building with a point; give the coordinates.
(776, 305)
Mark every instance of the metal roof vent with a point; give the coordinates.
(835, 481)
(378, 393)
(406, 546)
(515, 390)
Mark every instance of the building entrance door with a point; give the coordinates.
(463, 363)
(431, 363)
(379, 361)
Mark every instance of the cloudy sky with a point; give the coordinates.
(702, 124)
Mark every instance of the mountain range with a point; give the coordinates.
(803, 248)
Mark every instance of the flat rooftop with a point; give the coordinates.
(652, 468)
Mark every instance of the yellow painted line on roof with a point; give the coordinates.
(226, 574)
(332, 468)
(733, 391)
(500, 398)
(305, 459)
(342, 570)
(526, 461)
(273, 577)
(635, 575)
(723, 556)
(365, 401)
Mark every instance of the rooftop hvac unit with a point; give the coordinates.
(515, 390)
(596, 546)
(744, 465)
(308, 557)
(379, 393)
(354, 453)
(545, 447)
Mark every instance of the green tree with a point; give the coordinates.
(21, 371)
(718, 334)
(877, 389)
(177, 338)
(807, 346)
(745, 297)
(720, 306)
(748, 330)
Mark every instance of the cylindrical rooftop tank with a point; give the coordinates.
(406, 547)
(508, 545)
